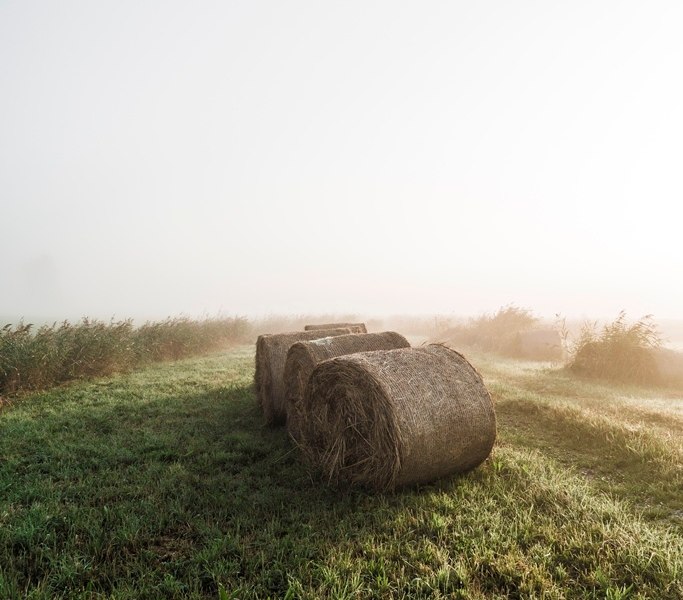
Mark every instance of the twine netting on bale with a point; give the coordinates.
(271, 352)
(391, 418)
(303, 357)
(355, 327)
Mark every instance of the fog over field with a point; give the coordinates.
(159, 158)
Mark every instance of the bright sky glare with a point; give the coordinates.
(252, 157)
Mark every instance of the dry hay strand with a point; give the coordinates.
(391, 418)
(303, 357)
(355, 327)
(271, 352)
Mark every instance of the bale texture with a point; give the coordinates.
(355, 327)
(391, 418)
(303, 357)
(271, 352)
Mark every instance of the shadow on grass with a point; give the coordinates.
(167, 495)
(145, 489)
(637, 464)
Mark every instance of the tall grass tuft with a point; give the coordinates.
(496, 333)
(622, 351)
(52, 354)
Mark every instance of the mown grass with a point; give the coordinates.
(163, 483)
(624, 438)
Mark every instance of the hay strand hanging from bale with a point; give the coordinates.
(271, 352)
(355, 327)
(303, 357)
(391, 418)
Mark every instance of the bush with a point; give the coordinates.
(620, 352)
(497, 333)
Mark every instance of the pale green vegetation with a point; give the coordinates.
(621, 351)
(163, 483)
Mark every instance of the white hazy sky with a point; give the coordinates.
(252, 157)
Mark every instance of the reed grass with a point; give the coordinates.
(497, 333)
(621, 351)
(39, 358)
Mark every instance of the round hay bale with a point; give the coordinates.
(271, 352)
(355, 327)
(303, 357)
(391, 418)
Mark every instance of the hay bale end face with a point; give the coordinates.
(391, 418)
(271, 352)
(303, 357)
(355, 327)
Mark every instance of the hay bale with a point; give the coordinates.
(391, 418)
(303, 357)
(271, 352)
(355, 327)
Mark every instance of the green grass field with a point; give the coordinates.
(163, 483)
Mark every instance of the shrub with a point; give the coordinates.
(497, 333)
(622, 351)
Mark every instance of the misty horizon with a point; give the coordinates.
(372, 159)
